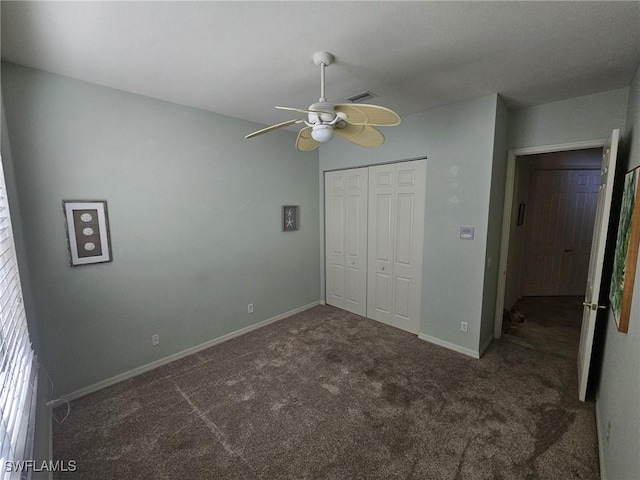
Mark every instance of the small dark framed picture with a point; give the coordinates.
(521, 209)
(289, 218)
(88, 233)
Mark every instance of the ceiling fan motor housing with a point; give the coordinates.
(324, 117)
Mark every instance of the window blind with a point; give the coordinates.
(18, 370)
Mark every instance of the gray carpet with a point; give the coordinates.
(328, 394)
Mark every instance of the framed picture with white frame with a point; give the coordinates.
(88, 235)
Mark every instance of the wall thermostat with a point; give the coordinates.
(466, 233)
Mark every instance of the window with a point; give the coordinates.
(18, 370)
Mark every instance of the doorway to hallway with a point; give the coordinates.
(592, 303)
(556, 195)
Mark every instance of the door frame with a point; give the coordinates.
(512, 157)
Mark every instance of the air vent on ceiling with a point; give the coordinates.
(361, 97)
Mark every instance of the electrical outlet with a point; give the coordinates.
(155, 339)
(608, 434)
(464, 326)
(250, 308)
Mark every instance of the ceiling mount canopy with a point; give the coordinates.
(354, 123)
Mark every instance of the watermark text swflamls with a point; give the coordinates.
(44, 466)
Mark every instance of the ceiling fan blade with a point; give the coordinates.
(362, 135)
(273, 127)
(354, 116)
(364, 114)
(304, 142)
(300, 110)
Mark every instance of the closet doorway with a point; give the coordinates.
(374, 220)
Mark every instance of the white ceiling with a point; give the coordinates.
(242, 58)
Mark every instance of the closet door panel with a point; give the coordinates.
(408, 249)
(334, 251)
(381, 240)
(403, 298)
(337, 286)
(381, 246)
(346, 239)
(405, 214)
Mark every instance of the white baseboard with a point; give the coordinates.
(450, 346)
(176, 356)
(50, 433)
(603, 468)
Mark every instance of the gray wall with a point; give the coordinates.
(618, 395)
(591, 117)
(458, 140)
(195, 214)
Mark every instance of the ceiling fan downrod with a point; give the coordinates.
(322, 97)
(322, 59)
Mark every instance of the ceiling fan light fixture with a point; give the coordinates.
(322, 133)
(354, 123)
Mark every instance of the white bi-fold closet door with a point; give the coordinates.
(374, 241)
(346, 200)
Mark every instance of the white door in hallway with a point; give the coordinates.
(578, 231)
(558, 237)
(545, 232)
(396, 231)
(346, 239)
(596, 261)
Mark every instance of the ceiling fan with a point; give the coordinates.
(355, 123)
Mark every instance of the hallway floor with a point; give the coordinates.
(551, 325)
